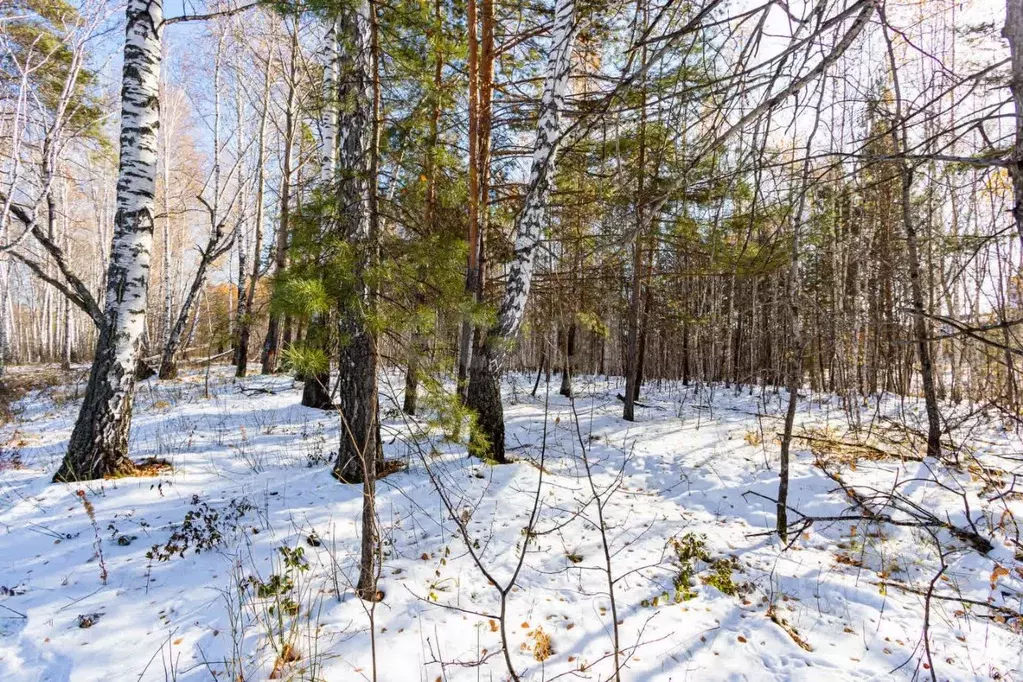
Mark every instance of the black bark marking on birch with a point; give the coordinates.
(98, 445)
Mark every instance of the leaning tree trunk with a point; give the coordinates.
(214, 250)
(99, 441)
(484, 394)
(215, 244)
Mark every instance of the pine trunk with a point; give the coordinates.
(360, 448)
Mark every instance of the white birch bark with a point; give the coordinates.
(260, 183)
(241, 229)
(99, 442)
(530, 221)
(316, 392)
(167, 314)
(484, 394)
(1013, 32)
(330, 57)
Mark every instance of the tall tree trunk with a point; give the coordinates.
(484, 394)
(245, 330)
(795, 364)
(1013, 32)
(316, 392)
(276, 329)
(635, 295)
(472, 266)
(795, 373)
(215, 244)
(241, 240)
(99, 442)
(360, 447)
(167, 284)
(921, 325)
(360, 453)
(480, 63)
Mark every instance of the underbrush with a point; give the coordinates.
(693, 561)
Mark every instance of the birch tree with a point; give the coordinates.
(484, 394)
(220, 239)
(99, 441)
(1013, 32)
(245, 323)
(316, 392)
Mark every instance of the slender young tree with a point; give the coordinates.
(275, 329)
(793, 296)
(245, 324)
(921, 321)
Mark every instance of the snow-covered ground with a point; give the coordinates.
(250, 486)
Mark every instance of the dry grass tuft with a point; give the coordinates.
(830, 446)
(542, 646)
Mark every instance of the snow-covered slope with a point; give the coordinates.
(250, 477)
